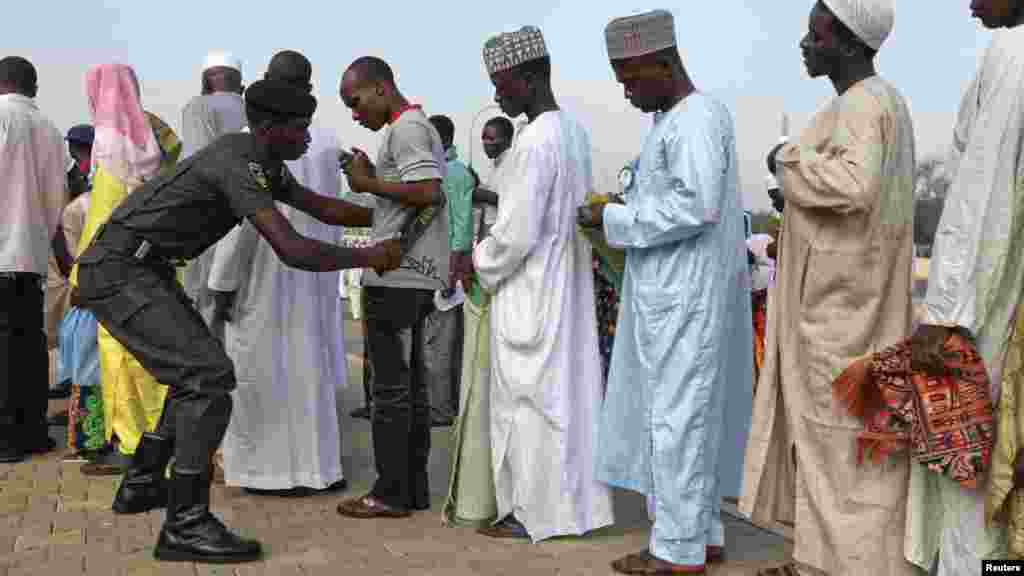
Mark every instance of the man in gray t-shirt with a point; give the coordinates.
(410, 152)
(410, 202)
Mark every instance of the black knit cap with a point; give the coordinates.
(280, 99)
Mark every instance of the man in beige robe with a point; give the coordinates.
(842, 290)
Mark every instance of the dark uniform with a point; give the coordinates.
(127, 279)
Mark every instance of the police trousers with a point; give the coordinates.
(143, 307)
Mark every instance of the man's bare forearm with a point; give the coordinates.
(332, 211)
(341, 213)
(319, 256)
(60, 252)
(425, 193)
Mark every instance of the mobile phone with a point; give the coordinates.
(345, 158)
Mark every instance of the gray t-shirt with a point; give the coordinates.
(410, 152)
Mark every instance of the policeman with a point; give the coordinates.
(126, 278)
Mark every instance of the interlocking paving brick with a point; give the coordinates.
(55, 520)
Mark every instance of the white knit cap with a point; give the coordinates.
(640, 34)
(870, 20)
(510, 49)
(222, 60)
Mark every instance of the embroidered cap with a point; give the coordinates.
(510, 49)
(640, 34)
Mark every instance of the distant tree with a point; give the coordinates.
(763, 222)
(931, 184)
(930, 179)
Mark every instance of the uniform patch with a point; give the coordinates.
(256, 170)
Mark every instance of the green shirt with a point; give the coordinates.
(458, 189)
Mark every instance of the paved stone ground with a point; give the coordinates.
(55, 521)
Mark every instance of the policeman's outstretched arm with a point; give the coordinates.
(303, 253)
(333, 211)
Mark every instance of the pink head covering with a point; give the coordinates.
(124, 145)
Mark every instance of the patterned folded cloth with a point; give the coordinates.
(947, 420)
(612, 259)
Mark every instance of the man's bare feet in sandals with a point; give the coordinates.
(370, 507)
(645, 563)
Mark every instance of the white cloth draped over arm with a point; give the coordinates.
(842, 176)
(689, 201)
(969, 256)
(525, 186)
(232, 258)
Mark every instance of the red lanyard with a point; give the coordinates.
(403, 110)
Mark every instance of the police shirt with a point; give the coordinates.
(189, 208)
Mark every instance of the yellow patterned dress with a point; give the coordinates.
(132, 399)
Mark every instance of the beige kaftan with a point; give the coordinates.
(843, 289)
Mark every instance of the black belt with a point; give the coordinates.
(22, 276)
(126, 242)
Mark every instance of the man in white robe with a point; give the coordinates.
(32, 162)
(285, 336)
(842, 291)
(976, 276)
(218, 110)
(546, 390)
(682, 347)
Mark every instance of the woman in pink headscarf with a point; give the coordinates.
(127, 151)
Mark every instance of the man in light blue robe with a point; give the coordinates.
(683, 336)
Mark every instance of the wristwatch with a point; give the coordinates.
(626, 177)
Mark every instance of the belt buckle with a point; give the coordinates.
(143, 250)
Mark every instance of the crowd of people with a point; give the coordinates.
(167, 282)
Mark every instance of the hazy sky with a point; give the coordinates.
(745, 52)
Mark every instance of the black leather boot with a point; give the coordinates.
(192, 534)
(144, 487)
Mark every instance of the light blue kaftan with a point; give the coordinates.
(683, 339)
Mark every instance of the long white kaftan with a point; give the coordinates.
(287, 344)
(204, 119)
(975, 281)
(682, 344)
(546, 391)
(842, 290)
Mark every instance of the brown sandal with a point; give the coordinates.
(645, 563)
(370, 507)
(784, 570)
(101, 469)
(509, 527)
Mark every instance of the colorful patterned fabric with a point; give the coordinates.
(759, 307)
(946, 421)
(85, 419)
(606, 295)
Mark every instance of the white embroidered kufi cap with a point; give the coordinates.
(870, 20)
(510, 49)
(640, 34)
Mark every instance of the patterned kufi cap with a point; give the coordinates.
(510, 49)
(641, 34)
